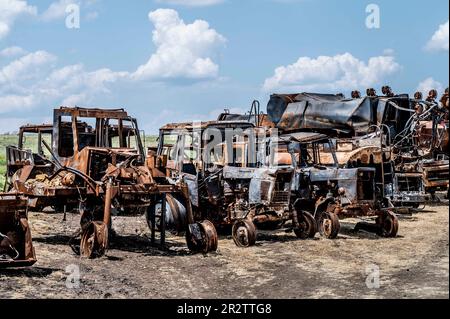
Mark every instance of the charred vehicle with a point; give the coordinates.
(18, 157)
(393, 119)
(98, 167)
(239, 183)
(16, 246)
(398, 187)
(338, 116)
(332, 193)
(425, 142)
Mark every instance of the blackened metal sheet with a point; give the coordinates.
(321, 111)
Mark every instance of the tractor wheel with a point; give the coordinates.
(202, 237)
(175, 215)
(307, 226)
(388, 224)
(244, 233)
(329, 225)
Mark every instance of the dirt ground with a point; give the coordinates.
(414, 265)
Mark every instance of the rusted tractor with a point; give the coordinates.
(231, 178)
(332, 193)
(96, 164)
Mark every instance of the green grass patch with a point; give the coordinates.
(5, 140)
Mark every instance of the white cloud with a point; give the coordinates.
(10, 10)
(15, 102)
(12, 52)
(428, 84)
(25, 67)
(34, 80)
(192, 3)
(183, 50)
(57, 10)
(331, 73)
(77, 86)
(439, 40)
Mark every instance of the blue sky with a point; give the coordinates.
(194, 58)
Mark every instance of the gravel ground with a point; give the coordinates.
(413, 265)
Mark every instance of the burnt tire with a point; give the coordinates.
(307, 226)
(328, 225)
(244, 233)
(202, 237)
(388, 225)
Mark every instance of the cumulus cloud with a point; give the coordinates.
(10, 10)
(439, 40)
(34, 80)
(75, 85)
(57, 9)
(428, 84)
(183, 50)
(331, 73)
(192, 3)
(25, 67)
(12, 52)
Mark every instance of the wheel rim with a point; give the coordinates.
(202, 237)
(389, 225)
(210, 236)
(244, 234)
(327, 226)
(94, 240)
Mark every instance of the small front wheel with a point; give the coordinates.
(307, 227)
(244, 233)
(202, 237)
(329, 225)
(388, 224)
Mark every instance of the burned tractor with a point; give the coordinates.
(400, 188)
(98, 167)
(238, 183)
(332, 193)
(17, 156)
(402, 124)
(16, 246)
